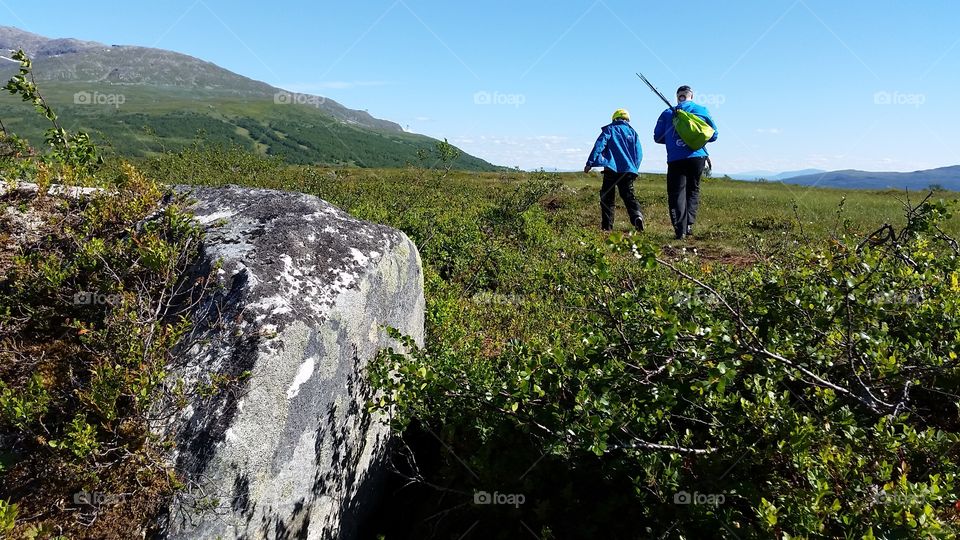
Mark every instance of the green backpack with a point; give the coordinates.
(694, 131)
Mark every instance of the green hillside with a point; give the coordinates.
(150, 120)
(141, 101)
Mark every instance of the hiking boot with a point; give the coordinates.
(638, 223)
(689, 230)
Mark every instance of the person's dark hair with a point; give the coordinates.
(684, 89)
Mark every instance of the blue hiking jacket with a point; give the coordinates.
(617, 148)
(665, 134)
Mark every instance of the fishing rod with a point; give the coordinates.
(655, 91)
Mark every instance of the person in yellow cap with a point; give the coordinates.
(618, 151)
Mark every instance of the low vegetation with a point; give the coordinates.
(792, 373)
(88, 318)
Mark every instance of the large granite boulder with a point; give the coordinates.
(279, 443)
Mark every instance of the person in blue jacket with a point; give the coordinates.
(684, 165)
(618, 151)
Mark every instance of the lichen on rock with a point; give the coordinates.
(301, 296)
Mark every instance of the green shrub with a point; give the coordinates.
(214, 166)
(22, 409)
(88, 320)
(8, 516)
(793, 399)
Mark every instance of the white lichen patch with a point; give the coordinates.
(303, 375)
(359, 256)
(272, 306)
(211, 218)
(346, 279)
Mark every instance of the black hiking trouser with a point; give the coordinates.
(612, 181)
(683, 192)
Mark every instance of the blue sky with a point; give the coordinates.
(791, 83)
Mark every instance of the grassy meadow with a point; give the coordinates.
(783, 374)
(598, 377)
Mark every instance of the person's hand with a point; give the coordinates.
(586, 169)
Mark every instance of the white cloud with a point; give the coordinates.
(534, 152)
(770, 131)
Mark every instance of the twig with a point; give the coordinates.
(757, 346)
(644, 445)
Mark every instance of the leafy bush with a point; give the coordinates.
(809, 396)
(769, 223)
(74, 151)
(8, 516)
(217, 165)
(88, 316)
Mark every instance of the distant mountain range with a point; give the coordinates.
(773, 176)
(144, 100)
(943, 177)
